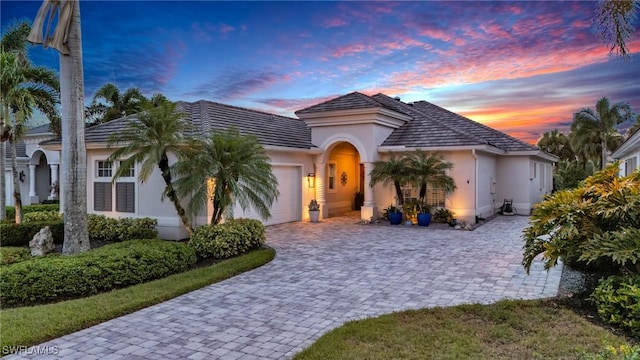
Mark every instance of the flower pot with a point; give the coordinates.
(314, 215)
(453, 222)
(424, 219)
(395, 218)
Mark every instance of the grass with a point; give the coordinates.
(535, 329)
(28, 326)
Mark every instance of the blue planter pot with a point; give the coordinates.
(424, 219)
(395, 218)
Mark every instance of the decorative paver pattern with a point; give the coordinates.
(324, 274)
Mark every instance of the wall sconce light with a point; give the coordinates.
(311, 180)
(22, 176)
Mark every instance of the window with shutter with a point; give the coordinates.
(102, 196)
(125, 197)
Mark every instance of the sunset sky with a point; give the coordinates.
(520, 67)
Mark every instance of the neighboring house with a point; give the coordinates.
(327, 154)
(629, 154)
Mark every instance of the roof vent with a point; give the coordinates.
(410, 104)
(397, 98)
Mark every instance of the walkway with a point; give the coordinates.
(324, 274)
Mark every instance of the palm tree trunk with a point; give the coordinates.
(74, 152)
(171, 193)
(17, 197)
(3, 186)
(399, 193)
(603, 163)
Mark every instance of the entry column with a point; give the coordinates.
(54, 182)
(33, 198)
(368, 210)
(320, 192)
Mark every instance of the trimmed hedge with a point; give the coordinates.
(21, 234)
(101, 228)
(56, 278)
(11, 211)
(43, 216)
(617, 299)
(226, 240)
(12, 255)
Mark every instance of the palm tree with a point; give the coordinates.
(109, 103)
(556, 143)
(596, 130)
(24, 88)
(429, 169)
(393, 171)
(67, 39)
(227, 168)
(632, 130)
(148, 141)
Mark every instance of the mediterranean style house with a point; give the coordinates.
(326, 154)
(629, 154)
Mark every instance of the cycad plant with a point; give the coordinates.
(393, 171)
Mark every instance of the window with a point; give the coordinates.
(131, 172)
(102, 196)
(630, 166)
(104, 169)
(125, 197)
(434, 197)
(331, 177)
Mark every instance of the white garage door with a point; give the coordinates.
(287, 207)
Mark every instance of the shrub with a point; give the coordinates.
(443, 215)
(618, 301)
(11, 255)
(51, 279)
(102, 228)
(11, 211)
(622, 352)
(21, 234)
(42, 216)
(226, 240)
(572, 225)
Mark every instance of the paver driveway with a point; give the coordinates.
(324, 274)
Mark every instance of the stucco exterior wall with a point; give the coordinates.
(525, 180)
(487, 175)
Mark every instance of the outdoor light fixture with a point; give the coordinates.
(22, 176)
(311, 180)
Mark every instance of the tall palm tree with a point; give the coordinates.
(596, 130)
(227, 168)
(109, 103)
(429, 169)
(148, 141)
(632, 130)
(393, 171)
(556, 143)
(67, 39)
(24, 88)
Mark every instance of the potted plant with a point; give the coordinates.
(424, 215)
(394, 215)
(314, 210)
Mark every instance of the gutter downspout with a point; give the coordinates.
(475, 182)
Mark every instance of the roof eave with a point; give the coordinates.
(537, 153)
(402, 148)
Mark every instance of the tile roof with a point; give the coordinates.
(434, 126)
(351, 101)
(207, 116)
(42, 129)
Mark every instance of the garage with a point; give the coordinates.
(287, 207)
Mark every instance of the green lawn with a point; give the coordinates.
(505, 330)
(28, 326)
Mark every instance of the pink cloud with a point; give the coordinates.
(335, 22)
(224, 29)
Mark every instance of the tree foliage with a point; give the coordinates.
(592, 226)
(614, 22)
(148, 141)
(227, 168)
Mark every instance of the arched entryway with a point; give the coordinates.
(42, 176)
(344, 177)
